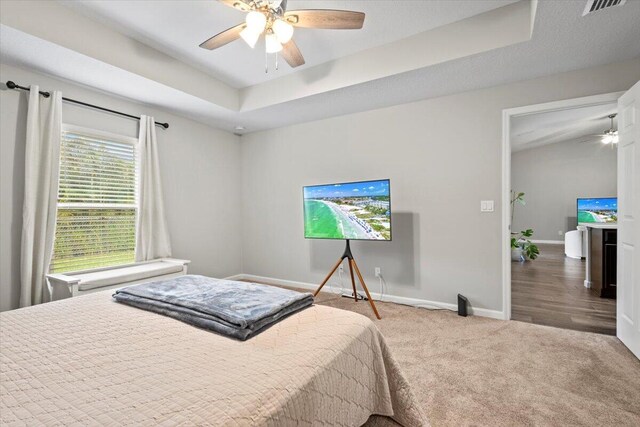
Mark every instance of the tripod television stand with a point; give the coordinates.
(352, 265)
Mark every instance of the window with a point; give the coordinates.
(97, 200)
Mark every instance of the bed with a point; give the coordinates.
(92, 361)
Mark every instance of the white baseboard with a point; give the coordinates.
(549, 242)
(415, 302)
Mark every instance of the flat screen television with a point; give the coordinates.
(348, 210)
(602, 210)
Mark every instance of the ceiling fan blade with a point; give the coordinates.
(237, 4)
(223, 38)
(325, 19)
(291, 54)
(279, 5)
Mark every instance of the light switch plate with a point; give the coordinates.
(486, 206)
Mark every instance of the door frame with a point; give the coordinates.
(507, 115)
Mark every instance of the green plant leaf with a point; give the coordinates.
(527, 233)
(532, 251)
(521, 239)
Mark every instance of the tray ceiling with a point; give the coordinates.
(519, 41)
(178, 27)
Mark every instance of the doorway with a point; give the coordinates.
(554, 154)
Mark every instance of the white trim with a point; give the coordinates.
(548, 242)
(507, 114)
(414, 302)
(99, 134)
(506, 218)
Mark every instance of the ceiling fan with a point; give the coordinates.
(271, 18)
(608, 136)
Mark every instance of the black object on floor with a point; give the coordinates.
(462, 305)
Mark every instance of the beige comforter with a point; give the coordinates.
(92, 361)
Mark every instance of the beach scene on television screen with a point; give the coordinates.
(359, 210)
(598, 210)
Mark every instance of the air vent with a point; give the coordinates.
(596, 5)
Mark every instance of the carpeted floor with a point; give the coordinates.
(479, 371)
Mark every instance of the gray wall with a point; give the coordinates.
(553, 177)
(443, 156)
(200, 174)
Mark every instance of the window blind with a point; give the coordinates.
(97, 203)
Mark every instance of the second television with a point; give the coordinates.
(599, 210)
(348, 211)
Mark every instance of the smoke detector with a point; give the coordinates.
(596, 5)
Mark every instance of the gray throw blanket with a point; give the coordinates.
(235, 309)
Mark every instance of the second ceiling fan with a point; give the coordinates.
(608, 136)
(272, 19)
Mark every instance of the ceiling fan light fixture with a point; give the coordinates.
(610, 135)
(277, 23)
(250, 37)
(272, 43)
(610, 138)
(256, 21)
(283, 30)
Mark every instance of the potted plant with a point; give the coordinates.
(521, 246)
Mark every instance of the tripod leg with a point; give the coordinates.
(353, 282)
(366, 291)
(326, 279)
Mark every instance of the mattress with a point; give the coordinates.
(91, 361)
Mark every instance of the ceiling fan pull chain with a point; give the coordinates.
(276, 61)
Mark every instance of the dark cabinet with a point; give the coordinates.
(603, 261)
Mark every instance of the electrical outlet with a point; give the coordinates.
(560, 233)
(377, 271)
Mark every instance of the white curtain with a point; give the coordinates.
(42, 169)
(152, 239)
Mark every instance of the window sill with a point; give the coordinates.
(81, 282)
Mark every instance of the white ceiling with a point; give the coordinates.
(178, 27)
(577, 124)
(50, 58)
(562, 40)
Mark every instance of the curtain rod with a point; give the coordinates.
(12, 85)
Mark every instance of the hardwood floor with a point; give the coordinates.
(550, 291)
